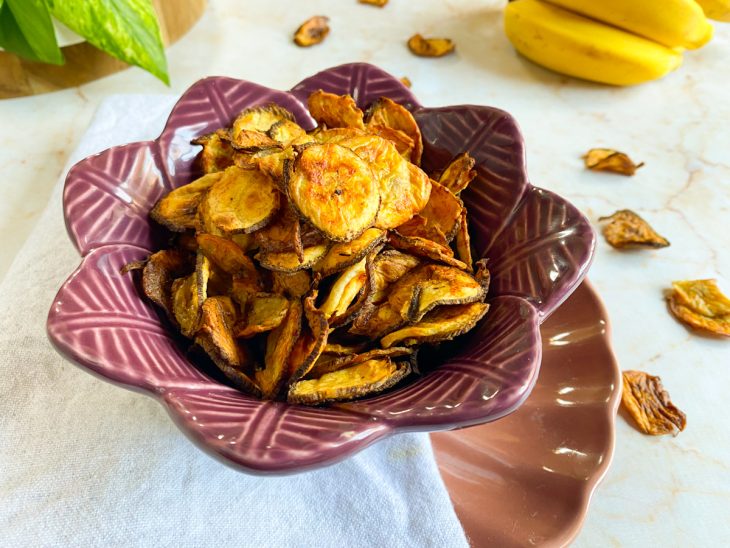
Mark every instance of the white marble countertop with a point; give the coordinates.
(658, 491)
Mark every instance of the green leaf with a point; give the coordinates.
(26, 29)
(125, 29)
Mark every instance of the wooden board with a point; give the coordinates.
(84, 63)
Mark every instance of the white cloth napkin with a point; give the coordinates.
(85, 463)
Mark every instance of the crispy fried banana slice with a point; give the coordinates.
(649, 405)
(402, 142)
(430, 47)
(251, 140)
(701, 305)
(345, 254)
(215, 337)
(425, 248)
(459, 173)
(260, 119)
(227, 255)
(279, 345)
(188, 294)
(287, 132)
(289, 261)
(387, 113)
(311, 342)
(420, 227)
(626, 229)
(178, 210)
(328, 364)
(388, 267)
(242, 200)
(463, 242)
(443, 323)
(334, 190)
(335, 110)
(293, 284)
(217, 153)
(345, 290)
(264, 312)
(443, 210)
(313, 31)
(281, 234)
(158, 274)
(364, 379)
(605, 159)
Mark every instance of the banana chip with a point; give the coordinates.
(701, 305)
(241, 201)
(309, 265)
(430, 47)
(335, 110)
(605, 159)
(649, 405)
(313, 31)
(626, 229)
(369, 377)
(378, 3)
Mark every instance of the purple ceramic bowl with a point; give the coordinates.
(539, 247)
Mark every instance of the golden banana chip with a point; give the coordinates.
(345, 254)
(443, 323)
(701, 305)
(311, 342)
(388, 114)
(260, 119)
(388, 267)
(250, 140)
(158, 274)
(242, 200)
(335, 111)
(443, 210)
(402, 142)
(334, 190)
(283, 233)
(264, 312)
(378, 3)
(647, 402)
(286, 132)
(430, 47)
(344, 291)
(313, 31)
(369, 377)
(188, 295)
(425, 248)
(419, 227)
(459, 173)
(626, 229)
(217, 153)
(293, 284)
(227, 255)
(279, 345)
(463, 242)
(406, 81)
(605, 159)
(289, 261)
(178, 210)
(328, 364)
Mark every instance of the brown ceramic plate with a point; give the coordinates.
(528, 478)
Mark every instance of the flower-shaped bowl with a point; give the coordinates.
(539, 248)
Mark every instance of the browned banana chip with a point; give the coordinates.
(626, 229)
(364, 379)
(459, 173)
(334, 363)
(344, 291)
(701, 305)
(281, 234)
(286, 132)
(443, 323)
(311, 342)
(430, 47)
(335, 110)
(378, 3)
(388, 267)
(158, 274)
(386, 112)
(279, 345)
(404, 188)
(334, 189)
(273, 161)
(649, 405)
(443, 210)
(402, 142)
(425, 248)
(406, 81)
(178, 210)
(264, 312)
(375, 321)
(289, 261)
(345, 254)
(259, 119)
(337, 349)
(242, 201)
(217, 153)
(251, 140)
(215, 337)
(294, 284)
(428, 286)
(226, 254)
(420, 227)
(188, 294)
(335, 135)
(313, 31)
(605, 159)
(463, 242)
(246, 242)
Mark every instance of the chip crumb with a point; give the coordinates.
(625, 229)
(701, 305)
(645, 399)
(430, 47)
(406, 81)
(378, 3)
(313, 31)
(605, 159)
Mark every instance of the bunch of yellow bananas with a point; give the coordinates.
(620, 42)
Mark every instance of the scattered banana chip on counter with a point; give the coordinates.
(701, 305)
(313, 31)
(406, 81)
(645, 399)
(430, 47)
(310, 265)
(605, 159)
(378, 3)
(626, 229)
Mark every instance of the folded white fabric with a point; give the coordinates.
(85, 463)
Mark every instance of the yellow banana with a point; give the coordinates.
(578, 46)
(673, 23)
(719, 10)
